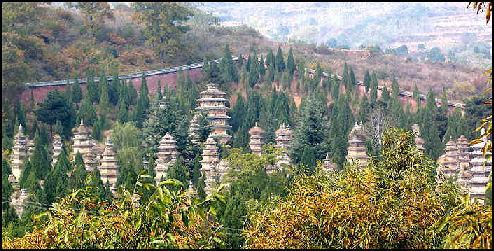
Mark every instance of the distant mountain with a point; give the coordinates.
(449, 26)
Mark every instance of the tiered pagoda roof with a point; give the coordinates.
(19, 153)
(356, 148)
(167, 155)
(256, 139)
(109, 165)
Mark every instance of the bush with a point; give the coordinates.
(392, 203)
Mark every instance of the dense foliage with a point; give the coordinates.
(392, 203)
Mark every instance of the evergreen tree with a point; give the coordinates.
(385, 95)
(395, 88)
(39, 159)
(364, 110)
(416, 95)
(132, 93)
(240, 61)
(113, 87)
(91, 90)
(31, 103)
(68, 93)
(159, 95)
(279, 61)
(374, 84)
(201, 185)
(87, 113)
(444, 102)
(56, 183)
(123, 113)
(104, 101)
(142, 103)
(353, 81)
(78, 177)
(227, 68)
(311, 131)
(335, 88)
(248, 63)
(178, 172)
(367, 81)
(261, 68)
(76, 91)
(290, 62)
(270, 62)
(433, 144)
(55, 107)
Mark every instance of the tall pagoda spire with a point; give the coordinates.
(57, 148)
(356, 148)
(256, 137)
(464, 162)
(419, 142)
(283, 141)
(19, 153)
(449, 160)
(83, 143)
(109, 165)
(167, 155)
(209, 162)
(481, 168)
(213, 102)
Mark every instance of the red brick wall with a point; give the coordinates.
(40, 93)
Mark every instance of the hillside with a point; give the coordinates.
(118, 41)
(449, 27)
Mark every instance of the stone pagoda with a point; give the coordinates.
(356, 148)
(57, 148)
(283, 141)
(328, 166)
(30, 147)
(83, 143)
(193, 128)
(256, 137)
(209, 162)
(464, 175)
(213, 102)
(167, 155)
(19, 198)
(109, 165)
(448, 162)
(19, 154)
(480, 171)
(419, 142)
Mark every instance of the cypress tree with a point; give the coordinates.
(416, 95)
(353, 81)
(227, 68)
(279, 61)
(335, 88)
(113, 87)
(160, 96)
(373, 94)
(290, 62)
(262, 69)
(91, 90)
(395, 88)
(367, 81)
(132, 93)
(76, 91)
(104, 101)
(31, 103)
(87, 112)
(270, 62)
(78, 177)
